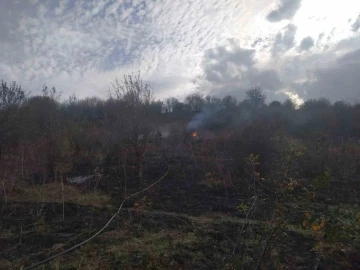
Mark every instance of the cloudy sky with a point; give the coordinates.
(290, 48)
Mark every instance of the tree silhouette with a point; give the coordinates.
(11, 97)
(195, 101)
(255, 98)
(136, 103)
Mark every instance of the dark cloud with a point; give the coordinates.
(267, 79)
(356, 25)
(350, 58)
(284, 41)
(337, 82)
(231, 69)
(286, 10)
(349, 44)
(306, 44)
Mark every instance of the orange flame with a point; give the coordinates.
(194, 134)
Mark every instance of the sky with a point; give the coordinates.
(298, 49)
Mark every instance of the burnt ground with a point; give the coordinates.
(136, 239)
(187, 221)
(185, 189)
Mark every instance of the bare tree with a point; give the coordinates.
(170, 104)
(229, 102)
(255, 98)
(52, 93)
(135, 98)
(11, 97)
(195, 101)
(132, 90)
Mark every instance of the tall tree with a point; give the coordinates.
(229, 102)
(195, 101)
(170, 104)
(255, 98)
(11, 97)
(136, 100)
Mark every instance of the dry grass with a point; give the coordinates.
(56, 192)
(120, 245)
(154, 244)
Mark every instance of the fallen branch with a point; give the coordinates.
(101, 230)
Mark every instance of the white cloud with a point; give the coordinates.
(80, 46)
(148, 36)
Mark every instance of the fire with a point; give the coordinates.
(194, 134)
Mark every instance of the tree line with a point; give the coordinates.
(37, 133)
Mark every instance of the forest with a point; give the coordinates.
(133, 182)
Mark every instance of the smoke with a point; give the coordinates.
(165, 133)
(205, 117)
(169, 128)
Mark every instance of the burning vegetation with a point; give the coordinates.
(260, 190)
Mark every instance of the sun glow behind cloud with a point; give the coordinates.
(328, 17)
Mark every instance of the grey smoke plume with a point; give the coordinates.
(203, 118)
